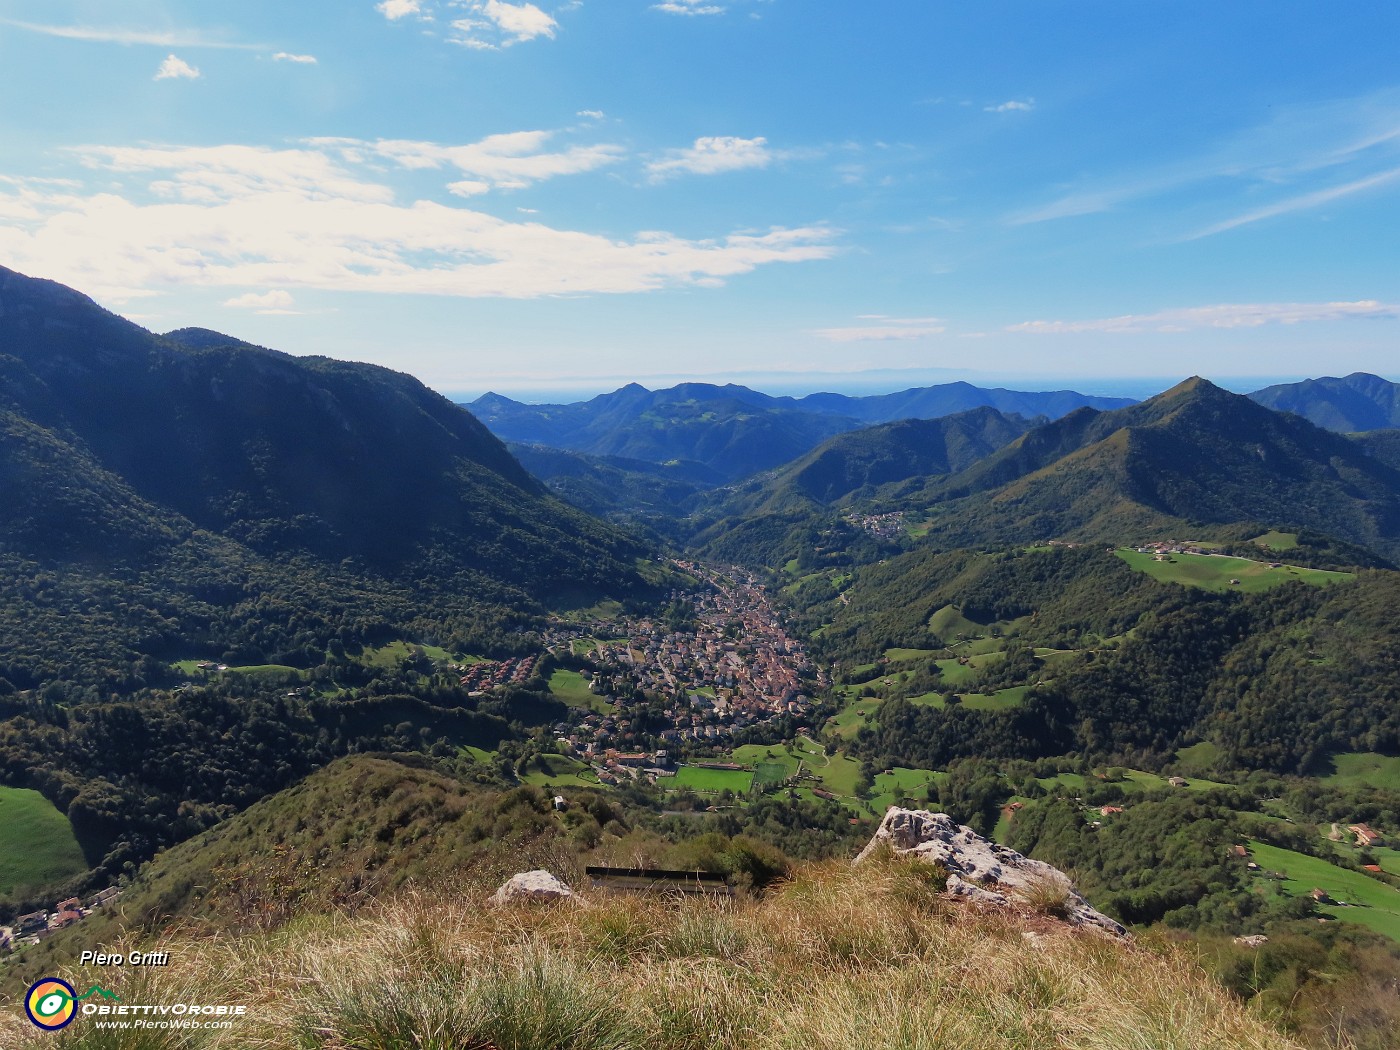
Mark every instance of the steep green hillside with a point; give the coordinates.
(1193, 457)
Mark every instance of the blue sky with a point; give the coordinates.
(795, 194)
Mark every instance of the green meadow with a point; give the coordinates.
(1214, 572)
(1365, 769)
(1365, 901)
(37, 844)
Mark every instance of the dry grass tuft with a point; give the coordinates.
(836, 959)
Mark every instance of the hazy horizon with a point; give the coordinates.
(876, 382)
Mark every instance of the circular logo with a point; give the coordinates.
(51, 1004)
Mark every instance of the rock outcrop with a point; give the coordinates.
(980, 870)
(532, 886)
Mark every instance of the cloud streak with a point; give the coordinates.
(241, 217)
(1224, 315)
(887, 329)
(117, 35)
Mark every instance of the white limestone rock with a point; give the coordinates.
(532, 886)
(983, 871)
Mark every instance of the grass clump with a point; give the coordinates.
(868, 958)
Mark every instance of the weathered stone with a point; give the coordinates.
(1253, 940)
(983, 871)
(532, 886)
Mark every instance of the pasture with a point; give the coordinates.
(1213, 572)
(37, 844)
(572, 688)
(1367, 901)
(1365, 769)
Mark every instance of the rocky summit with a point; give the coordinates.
(982, 871)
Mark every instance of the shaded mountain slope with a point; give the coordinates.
(1357, 402)
(283, 454)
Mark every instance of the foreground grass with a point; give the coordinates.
(837, 959)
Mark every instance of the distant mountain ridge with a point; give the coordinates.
(739, 431)
(1354, 403)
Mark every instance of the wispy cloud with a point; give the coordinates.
(712, 155)
(273, 303)
(509, 161)
(120, 35)
(1302, 202)
(885, 329)
(1012, 106)
(689, 7)
(1356, 138)
(174, 68)
(240, 217)
(287, 56)
(1225, 315)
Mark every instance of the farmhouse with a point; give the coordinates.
(1365, 835)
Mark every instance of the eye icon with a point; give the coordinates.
(51, 1004)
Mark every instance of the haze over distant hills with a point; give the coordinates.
(738, 431)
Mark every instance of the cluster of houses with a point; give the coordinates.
(37, 925)
(736, 669)
(480, 677)
(887, 526)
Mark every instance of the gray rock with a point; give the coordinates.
(1253, 940)
(983, 871)
(531, 886)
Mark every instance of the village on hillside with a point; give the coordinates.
(732, 668)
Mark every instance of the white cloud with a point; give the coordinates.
(176, 69)
(886, 330)
(241, 217)
(496, 25)
(274, 302)
(113, 35)
(508, 161)
(590, 114)
(712, 155)
(689, 7)
(393, 10)
(1225, 315)
(1013, 106)
(287, 56)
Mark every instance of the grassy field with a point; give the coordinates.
(854, 715)
(1277, 541)
(895, 656)
(1214, 573)
(899, 786)
(1202, 756)
(1369, 902)
(1001, 700)
(37, 845)
(1365, 768)
(572, 688)
(561, 772)
(714, 780)
(948, 624)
